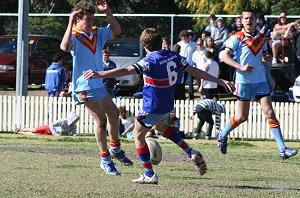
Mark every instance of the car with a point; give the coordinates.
(40, 52)
(296, 90)
(125, 52)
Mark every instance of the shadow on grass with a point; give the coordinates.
(245, 187)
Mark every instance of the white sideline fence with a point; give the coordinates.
(33, 111)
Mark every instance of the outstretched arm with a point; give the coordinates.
(197, 73)
(113, 73)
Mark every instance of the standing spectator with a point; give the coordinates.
(204, 35)
(199, 57)
(210, 46)
(204, 110)
(250, 47)
(109, 83)
(160, 68)
(220, 33)
(278, 34)
(208, 89)
(85, 42)
(179, 88)
(66, 126)
(212, 23)
(55, 76)
(165, 43)
(263, 27)
(236, 26)
(187, 48)
(296, 42)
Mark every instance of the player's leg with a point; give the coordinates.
(112, 113)
(172, 134)
(92, 100)
(149, 177)
(210, 122)
(199, 126)
(266, 106)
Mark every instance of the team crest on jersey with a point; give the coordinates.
(91, 44)
(143, 64)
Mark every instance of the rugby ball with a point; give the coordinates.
(155, 150)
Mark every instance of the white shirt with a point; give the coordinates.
(198, 58)
(187, 50)
(213, 69)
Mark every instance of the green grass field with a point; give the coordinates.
(36, 166)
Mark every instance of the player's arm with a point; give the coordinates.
(226, 58)
(113, 73)
(114, 24)
(66, 43)
(197, 73)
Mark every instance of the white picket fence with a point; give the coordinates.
(32, 111)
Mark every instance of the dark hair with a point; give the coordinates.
(84, 7)
(249, 10)
(151, 39)
(184, 33)
(176, 48)
(209, 54)
(260, 15)
(105, 51)
(212, 16)
(58, 56)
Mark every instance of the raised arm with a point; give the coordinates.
(66, 43)
(114, 24)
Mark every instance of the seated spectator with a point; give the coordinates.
(109, 83)
(278, 34)
(126, 123)
(296, 43)
(220, 33)
(212, 23)
(236, 26)
(66, 126)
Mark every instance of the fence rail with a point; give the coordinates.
(32, 111)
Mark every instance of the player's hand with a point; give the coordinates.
(267, 58)
(90, 74)
(229, 87)
(246, 68)
(102, 5)
(72, 17)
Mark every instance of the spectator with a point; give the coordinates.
(199, 57)
(165, 43)
(179, 88)
(204, 35)
(236, 26)
(220, 33)
(55, 76)
(85, 42)
(204, 110)
(109, 83)
(191, 35)
(208, 89)
(296, 43)
(212, 23)
(66, 126)
(262, 25)
(210, 46)
(187, 48)
(125, 123)
(278, 34)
